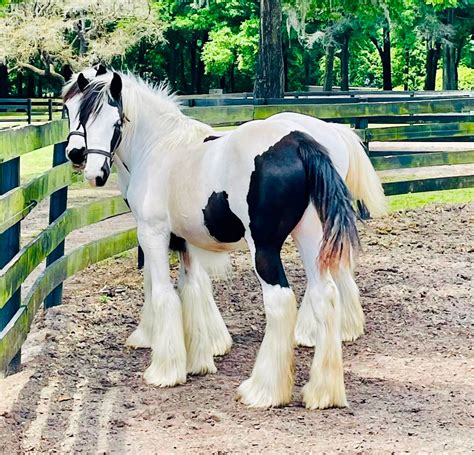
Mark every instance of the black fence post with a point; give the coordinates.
(9, 246)
(50, 109)
(57, 206)
(28, 110)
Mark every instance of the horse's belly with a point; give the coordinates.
(206, 226)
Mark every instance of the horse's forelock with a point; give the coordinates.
(71, 91)
(92, 101)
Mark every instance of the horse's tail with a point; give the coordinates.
(333, 202)
(362, 180)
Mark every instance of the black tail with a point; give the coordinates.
(333, 202)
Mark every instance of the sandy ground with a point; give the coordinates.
(409, 379)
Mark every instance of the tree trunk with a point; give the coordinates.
(285, 65)
(329, 70)
(39, 88)
(387, 58)
(3, 81)
(269, 80)
(30, 85)
(19, 84)
(406, 83)
(431, 67)
(193, 69)
(449, 60)
(345, 62)
(182, 73)
(232, 78)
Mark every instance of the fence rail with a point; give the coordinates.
(29, 109)
(420, 119)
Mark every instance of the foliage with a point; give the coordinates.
(198, 44)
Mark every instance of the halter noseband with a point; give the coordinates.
(116, 137)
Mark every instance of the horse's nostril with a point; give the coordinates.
(77, 156)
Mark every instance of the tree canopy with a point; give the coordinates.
(202, 44)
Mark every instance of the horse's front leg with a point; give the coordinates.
(142, 335)
(168, 366)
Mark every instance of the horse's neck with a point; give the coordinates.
(157, 139)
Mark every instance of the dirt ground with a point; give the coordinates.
(409, 380)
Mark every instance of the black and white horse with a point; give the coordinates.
(209, 195)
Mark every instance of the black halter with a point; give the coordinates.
(75, 133)
(116, 137)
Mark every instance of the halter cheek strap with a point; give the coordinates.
(114, 143)
(75, 133)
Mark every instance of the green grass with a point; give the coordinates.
(35, 163)
(414, 200)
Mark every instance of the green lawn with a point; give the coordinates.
(35, 163)
(413, 200)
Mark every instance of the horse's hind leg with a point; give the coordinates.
(322, 308)
(205, 332)
(352, 315)
(271, 382)
(307, 236)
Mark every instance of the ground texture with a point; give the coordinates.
(409, 379)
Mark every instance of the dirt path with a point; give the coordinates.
(409, 379)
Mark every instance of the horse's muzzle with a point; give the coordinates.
(101, 181)
(77, 156)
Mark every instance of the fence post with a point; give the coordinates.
(50, 109)
(9, 246)
(57, 206)
(28, 110)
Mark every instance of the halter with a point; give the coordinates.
(75, 133)
(116, 137)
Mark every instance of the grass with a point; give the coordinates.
(414, 200)
(35, 163)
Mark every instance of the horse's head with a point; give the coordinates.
(101, 115)
(72, 95)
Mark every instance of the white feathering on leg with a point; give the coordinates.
(325, 388)
(271, 382)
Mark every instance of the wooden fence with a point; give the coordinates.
(29, 110)
(18, 200)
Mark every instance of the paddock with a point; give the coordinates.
(409, 378)
(79, 389)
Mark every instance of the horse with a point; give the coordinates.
(360, 178)
(208, 195)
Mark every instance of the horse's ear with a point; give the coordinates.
(101, 69)
(116, 87)
(82, 82)
(67, 72)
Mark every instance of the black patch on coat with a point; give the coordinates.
(290, 174)
(277, 198)
(177, 244)
(221, 222)
(211, 138)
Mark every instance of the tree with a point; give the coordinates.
(42, 35)
(269, 79)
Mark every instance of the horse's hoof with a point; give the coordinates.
(164, 377)
(256, 395)
(138, 339)
(320, 396)
(304, 337)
